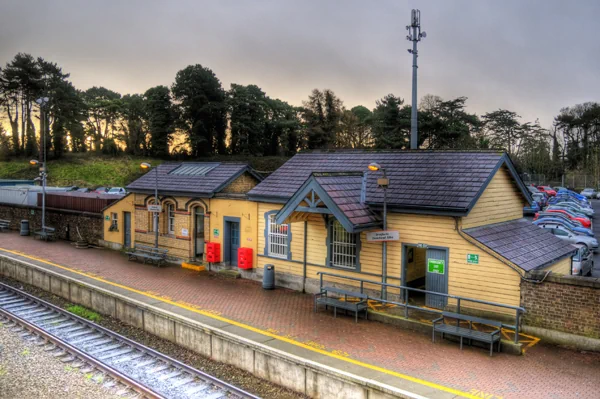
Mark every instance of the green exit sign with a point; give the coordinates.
(436, 266)
(473, 259)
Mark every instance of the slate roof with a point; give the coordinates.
(523, 243)
(345, 190)
(206, 185)
(426, 180)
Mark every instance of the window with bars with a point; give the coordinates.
(343, 246)
(277, 236)
(114, 221)
(171, 218)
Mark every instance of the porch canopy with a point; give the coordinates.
(340, 194)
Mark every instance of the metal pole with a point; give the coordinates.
(384, 256)
(413, 113)
(156, 213)
(42, 125)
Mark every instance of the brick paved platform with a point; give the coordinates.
(544, 372)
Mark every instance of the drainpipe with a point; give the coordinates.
(304, 265)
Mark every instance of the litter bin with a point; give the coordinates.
(24, 227)
(269, 277)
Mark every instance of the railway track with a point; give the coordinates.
(131, 369)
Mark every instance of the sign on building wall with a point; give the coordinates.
(216, 233)
(155, 208)
(385, 235)
(473, 259)
(437, 266)
(185, 232)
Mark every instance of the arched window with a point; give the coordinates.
(170, 210)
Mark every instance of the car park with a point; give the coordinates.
(543, 214)
(101, 190)
(583, 261)
(589, 193)
(83, 190)
(564, 222)
(573, 194)
(569, 235)
(585, 222)
(548, 190)
(531, 209)
(541, 199)
(560, 197)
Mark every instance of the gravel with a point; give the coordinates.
(27, 371)
(230, 374)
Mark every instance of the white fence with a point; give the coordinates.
(24, 195)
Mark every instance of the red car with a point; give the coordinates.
(585, 222)
(548, 190)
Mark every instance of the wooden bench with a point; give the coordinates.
(4, 224)
(46, 234)
(440, 325)
(323, 298)
(145, 253)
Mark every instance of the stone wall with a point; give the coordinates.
(569, 304)
(65, 222)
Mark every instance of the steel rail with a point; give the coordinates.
(228, 388)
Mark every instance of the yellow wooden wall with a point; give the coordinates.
(501, 201)
(489, 280)
(563, 266)
(123, 205)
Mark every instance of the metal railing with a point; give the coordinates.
(404, 292)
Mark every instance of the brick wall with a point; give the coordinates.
(241, 185)
(569, 304)
(65, 222)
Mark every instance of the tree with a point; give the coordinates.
(103, 110)
(446, 124)
(201, 102)
(355, 128)
(282, 128)
(248, 108)
(391, 123)
(161, 119)
(133, 124)
(322, 114)
(503, 130)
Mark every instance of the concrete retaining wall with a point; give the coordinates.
(211, 339)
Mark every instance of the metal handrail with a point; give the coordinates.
(405, 290)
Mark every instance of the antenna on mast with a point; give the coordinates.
(414, 35)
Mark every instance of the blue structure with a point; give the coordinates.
(9, 182)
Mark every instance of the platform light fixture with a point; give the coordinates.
(382, 182)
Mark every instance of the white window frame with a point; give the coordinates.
(278, 245)
(171, 219)
(343, 247)
(114, 220)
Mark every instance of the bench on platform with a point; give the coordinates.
(145, 253)
(324, 298)
(46, 234)
(440, 325)
(4, 224)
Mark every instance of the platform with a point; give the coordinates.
(284, 321)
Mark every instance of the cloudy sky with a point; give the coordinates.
(533, 57)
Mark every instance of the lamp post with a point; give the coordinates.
(145, 165)
(43, 175)
(383, 182)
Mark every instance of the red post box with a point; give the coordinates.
(245, 258)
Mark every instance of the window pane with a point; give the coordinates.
(342, 246)
(277, 236)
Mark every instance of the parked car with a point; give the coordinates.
(548, 190)
(558, 188)
(589, 193)
(589, 212)
(573, 194)
(583, 262)
(101, 190)
(564, 222)
(533, 189)
(117, 191)
(541, 199)
(543, 214)
(83, 190)
(569, 235)
(531, 209)
(567, 198)
(585, 222)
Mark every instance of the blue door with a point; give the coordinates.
(127, 229)
(234, 241)
(436, 277)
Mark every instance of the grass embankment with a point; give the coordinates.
(90, 170)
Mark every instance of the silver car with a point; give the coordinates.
(589, 212)
(564, 233)
(589, 193)
(583, 262)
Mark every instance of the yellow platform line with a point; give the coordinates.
(212, 315)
